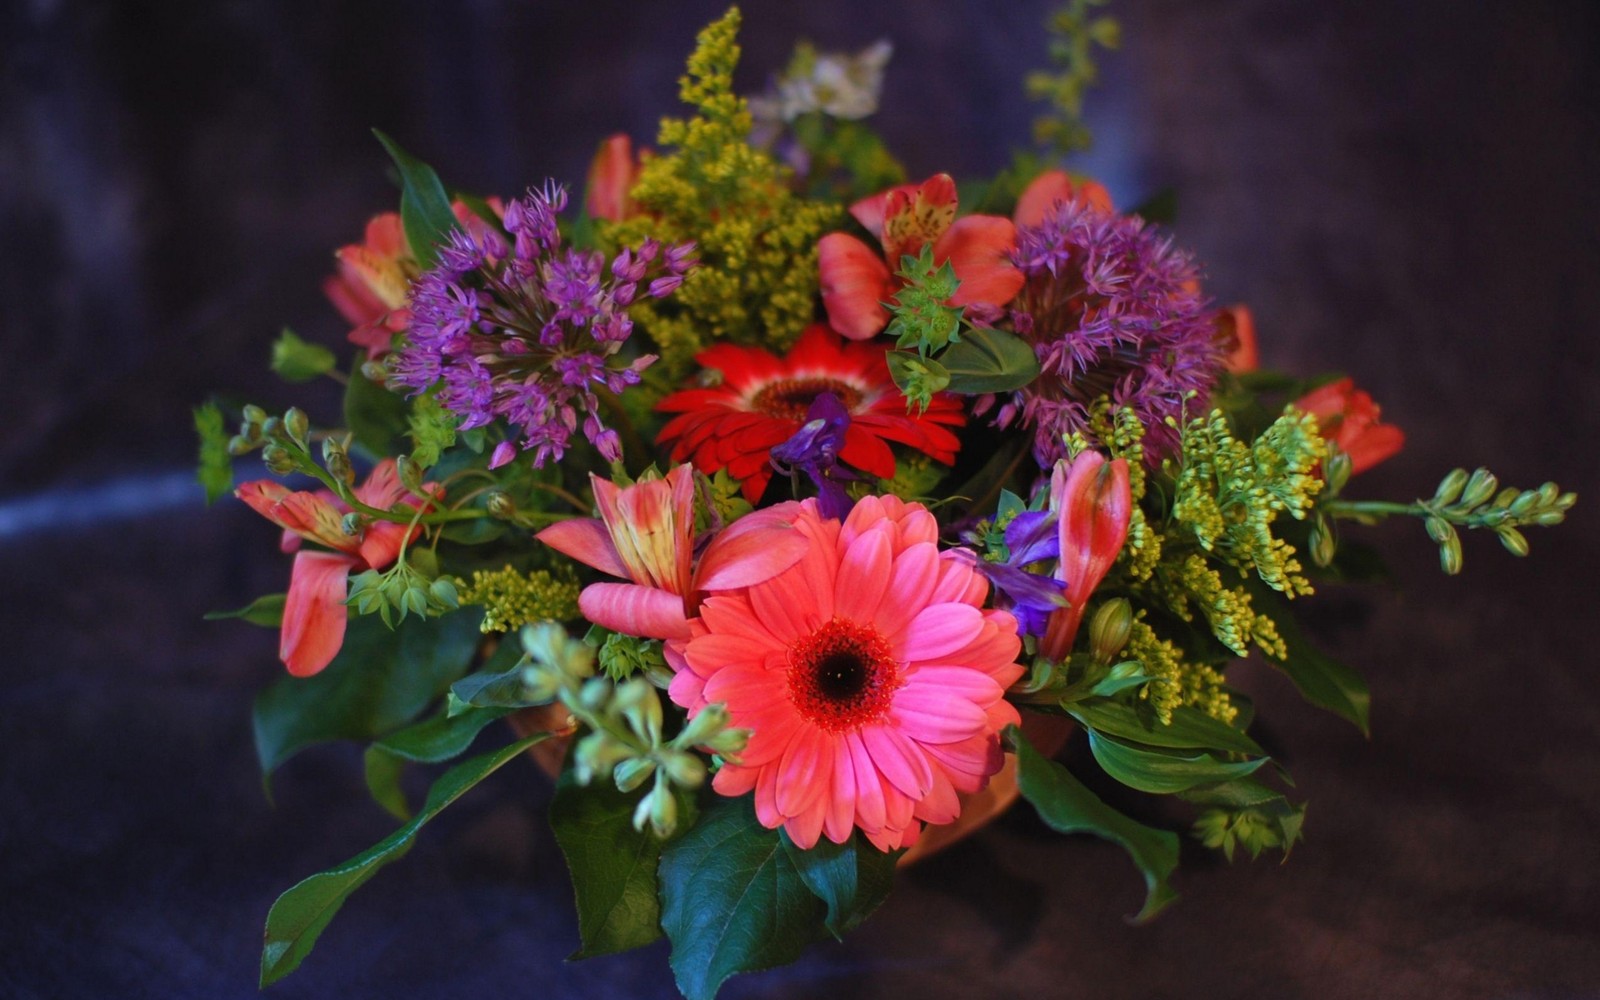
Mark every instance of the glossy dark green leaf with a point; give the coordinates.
(988, 360)
(1239, 794)
(614, 867)
(377, 418)
(267, 610)
(853, 878)
(1067, 806)
(1320, 679)
(380, 681)
(431, 741)
(301, 914)
(215, 470)
(1190, 727)
(732, 901)
(1164, 772)
(424, 207)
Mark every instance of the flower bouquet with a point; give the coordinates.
(793, 514)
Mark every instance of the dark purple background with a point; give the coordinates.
(1405, 191)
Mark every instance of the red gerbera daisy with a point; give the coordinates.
(763, 399)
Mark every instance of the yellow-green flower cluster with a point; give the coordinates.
(511, 599)
(1175, 682)
(1229, 492)
(757, 239)
(1195, 582)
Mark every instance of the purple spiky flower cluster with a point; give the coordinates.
(525, 330)
(1112, 309)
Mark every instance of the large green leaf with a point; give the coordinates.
(732, 900)
(424, 207)
(1190, 727)
(613, 865)
(380, 681)
(266, 611)
(988, 360)
(1068, 807)
(431, 741)
(376, 417)
(300, 915)
(1164, 772)
(1320, 679)
(853, 878)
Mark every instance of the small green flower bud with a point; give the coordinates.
(702, 727)
(443, 592)
(596, 754)
(729, 742)
(410, 475)
(683, 769)
(1336, 471)
(374, 372)
(352, 523)
(1323, 545)
(1450, 555)
(633, 772)
(1109, 629)
(1548, 494)
(540, 683)
(1546, 518)
(1524, 503)
(271, 426)
(639, 703)
(1514, 541)
(1480, 487)
(278, 460)
(1450, 487)
(1505, 497)
(594, 694)
(1439, 529)
(297, 424)
(240, 445)
(254, 416)
(659, 809)
(415, 601)
(499, 504)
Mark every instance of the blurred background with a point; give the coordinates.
(1407, 192)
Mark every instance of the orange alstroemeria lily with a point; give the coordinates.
(1094, 502)
(1236, 332)
(857, 279)
(645, 533)
(1348, 417)
(612, 174)
(314, 613)
(1052, 187)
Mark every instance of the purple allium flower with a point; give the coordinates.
(525, 331)
(1112, 309)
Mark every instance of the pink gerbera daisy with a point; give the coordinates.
(870, 676)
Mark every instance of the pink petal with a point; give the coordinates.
(805, 827)
(586, 540)
(710, 654)
(855, 282)
(941, 804)
(916, 570)
(732, 780)
(863, 578)
(927, 714)
(635, 610)
(898, 760)
(804, 771)
(745, 556)
(868, 782)
(314, 614)
(938, 630)
(841, 806)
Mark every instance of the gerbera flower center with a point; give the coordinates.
(842, 676)
(791, 398)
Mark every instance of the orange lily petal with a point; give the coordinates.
(979, 248)
(855, 283)
(635, 610)
(314, 614)
(1052, 187)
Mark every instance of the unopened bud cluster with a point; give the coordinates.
(1478, 501)
(411, 586)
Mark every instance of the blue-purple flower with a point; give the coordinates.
(527, 330)
(1112, 310)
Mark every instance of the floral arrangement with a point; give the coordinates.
(793, 514)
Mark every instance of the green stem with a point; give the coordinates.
(1372, 508)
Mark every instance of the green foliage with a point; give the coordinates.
(756, 239)
(1320, 679)
(377, 418)
(848, 160)
(623, 656)
(432, 429)
(380, 681)
(922, 317)
(431, 741)
(1076, 31)
(853, 878)
(215, 472)
(425, 211)
(406, 588)
(294, 360)
(301, 914)
(732, 900)
(267, 611)
(1066, 806)
(1245, 813)
(989, 360)
(1187, 728)
(613, 864)
(1163, 771)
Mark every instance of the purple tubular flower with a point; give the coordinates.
(1112, 310)
(1030, 537)
(814, 450)
(526, 333)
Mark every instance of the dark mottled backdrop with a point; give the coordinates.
(1408, 191)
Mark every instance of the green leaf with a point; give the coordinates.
(440, 738)
(1160, 208)
(424, 207)
(215, 471)
(1067, 806)
(294, 360)
(1320, 679)
(613, 865)
(732, 900)
(1240, 794)
(1190, 727)
(266, 611)
(1163, 773)
(432, 429)
(988, 360)
(300, 915)
(376, 417)
(853, 878)
(492, 689)
(380, 681)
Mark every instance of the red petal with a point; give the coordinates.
(855, 283)
(314, 613)
(586, 540)
(1054, 187)
(979, 248)
(867, 452)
